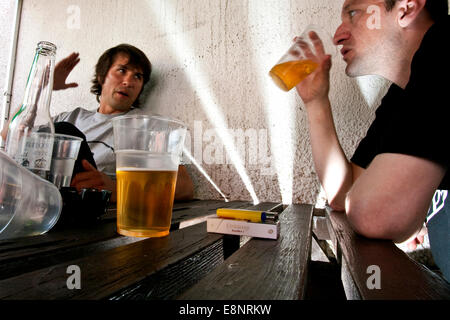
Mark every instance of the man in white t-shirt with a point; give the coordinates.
(120, 75)
(97, 127)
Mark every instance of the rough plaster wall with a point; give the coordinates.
(219, 39)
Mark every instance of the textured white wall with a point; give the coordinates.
(211, 60)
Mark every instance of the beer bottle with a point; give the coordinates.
(31, 130)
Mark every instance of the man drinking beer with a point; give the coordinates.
(387, 186)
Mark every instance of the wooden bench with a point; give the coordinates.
(362, 260)
(185, 264)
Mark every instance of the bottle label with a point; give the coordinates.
(37, 152)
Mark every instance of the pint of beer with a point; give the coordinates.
(286, 75)
(302, 58)
(146, 167)
(145, 200)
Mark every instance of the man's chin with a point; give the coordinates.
(353, 72)
(359, 68)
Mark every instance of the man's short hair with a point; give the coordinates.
(137, 59)
(438, 9)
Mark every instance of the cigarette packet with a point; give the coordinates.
(268, 230)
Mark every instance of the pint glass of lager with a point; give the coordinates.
(148, 151)
(302, 58)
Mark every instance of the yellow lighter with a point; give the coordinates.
(247, 215)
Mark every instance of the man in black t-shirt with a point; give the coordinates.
(387, 187)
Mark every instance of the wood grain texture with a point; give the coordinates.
(113, 266)
(262, 268)
(177, 278)
(18, 256)
(401, 277)
(107, 272)
(23, 255)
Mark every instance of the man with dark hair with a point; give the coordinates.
(387, 186)
(120, 75)
(136, 58)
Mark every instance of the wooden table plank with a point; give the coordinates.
(198, 211)
(109, 271)
(71, 243)
(401, 277)
(115, 265)
(174, 280)
(16, 248)
(262, 268)
(23, 255)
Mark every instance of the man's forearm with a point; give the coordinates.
(332, 167)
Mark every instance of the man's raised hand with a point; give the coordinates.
(62, 71)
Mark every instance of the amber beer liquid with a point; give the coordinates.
(288, 74)
(145, 199)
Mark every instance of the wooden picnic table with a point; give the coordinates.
(189, 263)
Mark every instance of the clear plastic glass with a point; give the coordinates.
(29, 205)
(148, 152)
(65, 153)
(301, 59)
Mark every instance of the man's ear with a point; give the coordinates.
(408, 11)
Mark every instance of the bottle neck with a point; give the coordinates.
(38, 91)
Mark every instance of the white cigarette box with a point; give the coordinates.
(243, 228)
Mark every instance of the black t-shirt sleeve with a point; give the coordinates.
(408, 125)
(366, 150)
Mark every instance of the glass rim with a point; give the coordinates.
(68, 136)
(46, 45)
(42, 134)
(144, 151)
(146, 116)
(49, 134)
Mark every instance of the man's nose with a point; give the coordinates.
(128, 79)
(341, 35)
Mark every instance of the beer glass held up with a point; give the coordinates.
(301, 59)
(148, 151)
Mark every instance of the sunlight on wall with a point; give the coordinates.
(181, 48)
(199, 167)
(279, 105)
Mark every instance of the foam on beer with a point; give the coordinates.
(132, 160)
